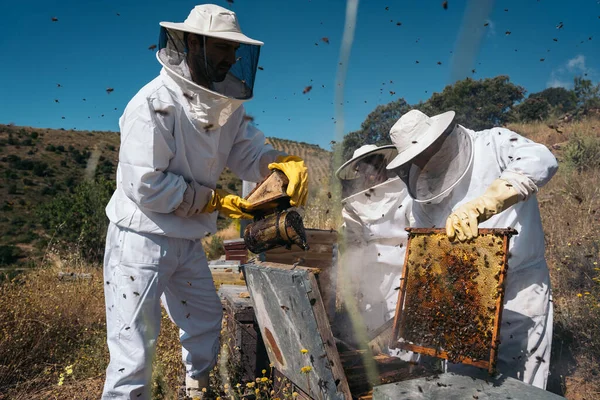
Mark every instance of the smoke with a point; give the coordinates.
(470, 38)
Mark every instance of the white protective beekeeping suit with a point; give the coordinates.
(374, 224)
(473, 161)
(374, 221)
(174, 132)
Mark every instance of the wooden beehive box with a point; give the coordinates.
(322, 255)
(294, 325)
(247, 353)
(451, 295)
(235, 249)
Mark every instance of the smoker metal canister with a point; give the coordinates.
(280, 229)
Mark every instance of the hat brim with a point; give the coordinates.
(343, 172)
(232, 36)
(439, 125)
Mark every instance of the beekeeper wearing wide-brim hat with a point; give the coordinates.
(462, 180)
(375, 209)
(366, 168)
(178, 133)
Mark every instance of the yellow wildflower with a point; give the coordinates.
(306, 369)
(250, 385)
(264, 371)
(579, 294)
(264, 379)
(257, 391)
(69, 369)
(295, 394)
(303, 351)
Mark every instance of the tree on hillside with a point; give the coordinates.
(588, 95)
(531, 109)
(558, 97)
(478, 104)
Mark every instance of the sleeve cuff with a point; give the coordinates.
(524, 186)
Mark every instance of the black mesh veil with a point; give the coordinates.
(240, 79)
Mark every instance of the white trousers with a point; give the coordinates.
(139, 270)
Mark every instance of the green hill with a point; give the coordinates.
(38, 164)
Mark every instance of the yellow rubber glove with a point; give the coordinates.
(293, 167)
(228, 204)
(462, 223)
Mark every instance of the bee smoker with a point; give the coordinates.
(274, 225)
(283, 228)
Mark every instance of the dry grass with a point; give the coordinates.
(570, 206)
(48, 324)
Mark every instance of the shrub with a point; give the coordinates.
(50, 147)
(78, 219)
(582, 152)
(215, 248)
(9, 254)
(41, 168)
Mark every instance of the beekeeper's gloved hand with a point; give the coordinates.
(228, 204)
(201, 199)
(293, 167)
(462, 223)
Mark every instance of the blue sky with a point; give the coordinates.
(91, 48)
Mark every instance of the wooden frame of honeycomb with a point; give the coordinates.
(451, 296)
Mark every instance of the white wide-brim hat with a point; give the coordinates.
(347, 170)
(214, 21)
(415, 132)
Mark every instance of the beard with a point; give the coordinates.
(209, 71)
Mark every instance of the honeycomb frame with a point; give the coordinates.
(451, 296)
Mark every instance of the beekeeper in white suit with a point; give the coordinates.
(177, 134)
(462, 180)
(375, 209)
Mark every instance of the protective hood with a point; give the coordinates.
(432, 182)
(210, 106)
